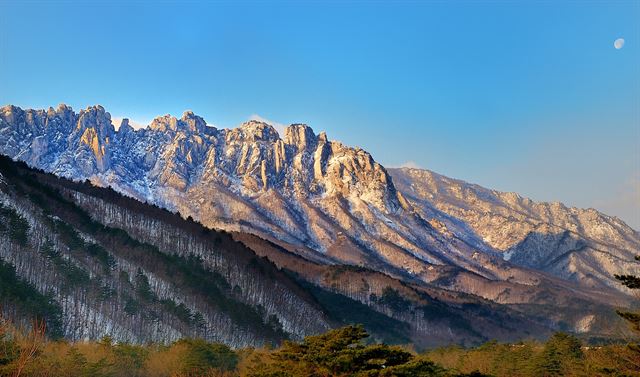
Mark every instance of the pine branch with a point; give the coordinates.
(630, 281)
(633, 318)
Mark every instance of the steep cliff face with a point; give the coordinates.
(581, 245)
(94, 263)
(325, 205)
(304, 190)
(320, 198)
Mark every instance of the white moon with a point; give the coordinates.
(619, 43)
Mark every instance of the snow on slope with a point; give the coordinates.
(320, 198)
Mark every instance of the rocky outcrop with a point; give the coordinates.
(321, 199)
(302, 189)
(581, 245)
(98, 263)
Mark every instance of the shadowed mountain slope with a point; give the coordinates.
(321, 211)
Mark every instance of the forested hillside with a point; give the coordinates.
(94, 263)
(414, 255)
(89, 279)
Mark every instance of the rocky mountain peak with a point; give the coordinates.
(95, 131)
(96, 118)
(307, 191)
(192, 122)
(63, 114)
(63, 108)
(10, 109)
(188, 123)
(125, 128)
(300, 135)
(165, 123)
(12, 114)
(254, 130)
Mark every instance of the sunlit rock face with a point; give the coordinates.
(319, 198)
(582, 245)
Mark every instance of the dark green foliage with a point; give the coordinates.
(629, 281)
(75, 363)
(49, 250)
(102, 255)
(130, 358)
(131, 306)
(188, 271)
(560, 353)
(198, 320)
(393, 299)
(437, 311)
(632, 318)
(346, 311)
(72, 239)
(21, 295)
(202, 356)
(434, 311)
(14, 225)
(143, 289)
(341, 352)
(9, 349)
(69, 235)
(74, 276)
(418, 368)
(182, 312)
(123, 277)
(106, 293)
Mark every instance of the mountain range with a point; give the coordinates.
(329, 220)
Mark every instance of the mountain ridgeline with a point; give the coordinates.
(289, 224)
(94, 263)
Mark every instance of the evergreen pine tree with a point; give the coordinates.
(631, 282)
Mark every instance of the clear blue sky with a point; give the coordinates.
(527, 97)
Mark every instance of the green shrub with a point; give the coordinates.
(394, 300)
(28, 301)
(14, 225)
(201, 357)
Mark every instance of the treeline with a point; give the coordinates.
(88, 267)
(560, 355)
(19, 299)
(339, 352)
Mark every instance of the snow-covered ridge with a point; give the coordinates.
(315, 196)
(577, 244)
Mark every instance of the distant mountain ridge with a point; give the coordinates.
(93, 263)
(581, 245)
(335, 205)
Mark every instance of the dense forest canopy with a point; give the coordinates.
(85, 255)
(345, 352)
